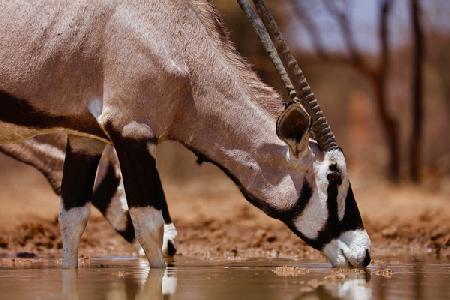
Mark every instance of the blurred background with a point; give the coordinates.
(380, 69)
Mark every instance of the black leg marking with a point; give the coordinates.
(171, 250)
(79, 176)
(140, 176)
(106, 186)
(144, 192)
(80, 166)
(165, 212)
(128, 233)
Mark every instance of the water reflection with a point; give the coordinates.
(162, 284)
(156, 284)
(129, 278)
(350, 289)
(347, 286)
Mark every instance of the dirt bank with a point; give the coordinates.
(230, 228)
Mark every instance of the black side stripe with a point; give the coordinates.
(276, 213)
(20, 112)
(332, 229)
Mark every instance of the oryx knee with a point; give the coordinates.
(128, 130)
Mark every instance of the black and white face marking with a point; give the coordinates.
(325, 214)
(330, 220)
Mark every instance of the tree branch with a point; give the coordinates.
(342, 19)
(311, 27)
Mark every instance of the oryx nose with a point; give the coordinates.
(367, 259)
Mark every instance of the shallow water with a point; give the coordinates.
(130, 278)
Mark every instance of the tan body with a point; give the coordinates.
(136, 72)
(150, 86)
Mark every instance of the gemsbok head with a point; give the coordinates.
(134, 73)
(326, 215)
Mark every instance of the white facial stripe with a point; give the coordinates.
(336, 156)
(313, 217)
(342, 195)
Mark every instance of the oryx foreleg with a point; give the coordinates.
(109, 197)
(80, 166)
(144, 193)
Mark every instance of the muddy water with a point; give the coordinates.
(129, 278)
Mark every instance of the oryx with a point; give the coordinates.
(133, 73)
(46, 153)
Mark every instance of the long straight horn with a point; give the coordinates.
(320, 128)
(264, 36)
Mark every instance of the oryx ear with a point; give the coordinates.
(292, 127)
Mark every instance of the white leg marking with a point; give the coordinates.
(169, 283)
(72, 223)
(117, 211)
(170, 233)
(148, 224)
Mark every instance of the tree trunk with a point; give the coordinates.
(415, 147)
(389, 123)
(390, 130)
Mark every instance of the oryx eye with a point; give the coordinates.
(334, 175)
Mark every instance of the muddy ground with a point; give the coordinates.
(214, 221)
